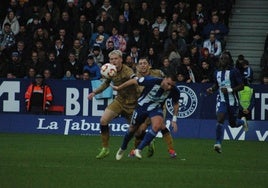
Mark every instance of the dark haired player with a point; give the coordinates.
(228, 82)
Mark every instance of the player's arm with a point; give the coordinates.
(130, 82)
(213, 88)
(174, 117)
(100, 89)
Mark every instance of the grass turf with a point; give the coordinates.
(69, 161)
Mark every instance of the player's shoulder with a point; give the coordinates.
(157, 73)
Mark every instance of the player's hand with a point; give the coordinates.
(91, 95)
(174, 126)
(116, 88)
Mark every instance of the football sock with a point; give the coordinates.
(128, 136)
(219, 133)
(168, 138)
(149, 136)
(105, 135)
(138, 139)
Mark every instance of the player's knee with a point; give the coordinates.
(165, 131)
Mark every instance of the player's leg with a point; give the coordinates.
(156, 122)
(234, 121)
(221, 111)
(110, 113)
(169, 141)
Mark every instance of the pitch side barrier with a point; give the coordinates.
(196, 118)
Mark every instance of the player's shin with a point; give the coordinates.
(105, 135)
(149, 136)
(128, 136)
(219, 133)
(168, 138)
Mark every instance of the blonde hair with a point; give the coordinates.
(116, 52)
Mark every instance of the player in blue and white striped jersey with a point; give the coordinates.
(150, 104)
(228, 82)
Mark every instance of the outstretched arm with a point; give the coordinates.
(174, 118)
(132, 81)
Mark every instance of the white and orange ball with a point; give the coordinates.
(108, 70)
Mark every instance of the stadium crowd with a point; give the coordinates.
(66, 39)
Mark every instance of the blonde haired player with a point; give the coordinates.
(123, 104)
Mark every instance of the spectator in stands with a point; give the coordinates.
(111, 11)
(137, 39)
(49, 25)
(80, 51)
(99, 37)
(73, 65)
(38, 96)
(7, 39)
(31, 72)
(83, 26)
(92, 68)
(134, 54)
(106, 52)
(156, 40)
(206, 72)
(65, 22)
(106, 21)
(153, 58)
(47, 74)
(165, 65)
(35, 62)
(124, 27)
(194, 54)
(239, 63)
(42, 34)
(41, 50)
(52, 8)
(68, 76)
(163, 9)
(200, 15)
(130, 63)
(214, 46)
(145, 28)
(191, 72)
(119, 41)
(98, 55)
(13, 21)
(173, 25)
(176, 41)
(145, 12)
(22, 35)
(21, 49)
(219, 29)
(161, 23)
(85, 76)
(32, 25)
(195, 34)
(173, 56)
(66, 38)
(89, 10)
(264, 79)
(127, 12)
(183, 10)
(55, 66)
(16, 66)
(247, 72)
(60, 50)
(72, 9)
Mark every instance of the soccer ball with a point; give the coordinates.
(108, 70)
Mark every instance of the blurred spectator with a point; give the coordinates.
(60, 50)
(106, 52)
(111, 11)
(49, 25)
(239, 63)
(144, 27)
(206, 72)
(153, 58)
(55, 66)
(16, 66)
(205, 56)
(41, 50)
(165, 65)
(31, 72)
(99, 37)
(191, 72)
(89, 10)
(85, 75)
(163, 9)
(195, 34)
(173, 25)
(47, 74)
(72, 9)
(161, 23)
(22, 35)
(264, 79)
(124, 27)
(156, 40)
(247, 72)
(134, 54)
(32, 25)
(183, 10)
(80, 51)
(106, 21)
(127, 12)
(73, 65)
(137, 39)
(38, 96)
(98, 55)
(41, 34)
(214, 47)
(83, 26)
(21, 49)
(10, 75)
(65, 22)
(145, 12)
(92, 68)
(130, 63)
(52, 8)
(219, 29)
(173, 56)
(68, 76)
(7, 38)
(66, 39)
(194, 54)
(13, 21)
(118, 40)
(176, 41)
(35, 62)
(200, 15)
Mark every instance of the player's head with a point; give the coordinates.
(143, 66)
(169, 82)
(224, 61)
(116, 58)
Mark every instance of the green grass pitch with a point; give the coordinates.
(69, 161)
